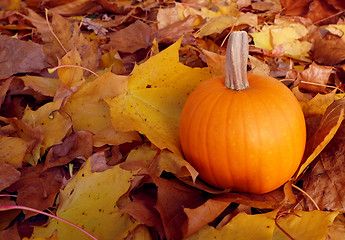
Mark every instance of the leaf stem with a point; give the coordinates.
(5, 208)
(236, 61)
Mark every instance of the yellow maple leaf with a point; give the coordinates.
(153, 102)
(89, 201)
(90, 113)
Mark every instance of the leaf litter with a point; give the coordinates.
(102, 150)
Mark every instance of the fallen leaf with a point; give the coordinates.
(71, 76)
(4, 86)
(37, 189)
(242, 226)
(70, 37)
(317, 105)
(140, 232)
(172, 197)
(78, 144)
(132, 38)
(53, 124)
(328, 127)
(10, 233)
(17, 56)
(204, 214)
(295, 8)
(319, 11)
(325, 183)
(219, 24)
(337, 230)
(167, 16)
(157, 90)
(76, 7)
(177, 29)
(328, 51)
(45, 86)
(258, 67)
(13, 150)
(165, 161)
(304, 225)
(8, 176)
(142, 208)
(89, 112)
(315, 78)
(89, 201)
(284, 35)
(215, 62)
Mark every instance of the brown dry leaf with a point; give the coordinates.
(295, 8)
(204, 214)
(319, 11)
(8, 216)
(177, 29)
(70, 36)
(142, 208)
(10, 233)
(8, 175)
(328, 127)
(315, 78)
(146, 157)
(76, 7)
(322, 12)
(132, 38)
(17, 56)
(172, 197)
(37, 189)
(326, 182)
(4, 86)
(328, 51)
(77, 145)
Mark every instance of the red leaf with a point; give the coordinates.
(18, 56)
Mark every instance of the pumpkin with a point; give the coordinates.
(243, 132)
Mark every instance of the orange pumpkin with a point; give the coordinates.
(243, 132)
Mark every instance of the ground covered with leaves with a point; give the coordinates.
(91, 93)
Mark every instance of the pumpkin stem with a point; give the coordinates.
(236, 61)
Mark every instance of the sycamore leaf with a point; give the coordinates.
(90, 113)
(157, 91)
(89, 201)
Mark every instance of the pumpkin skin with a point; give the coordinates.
(250, 140)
